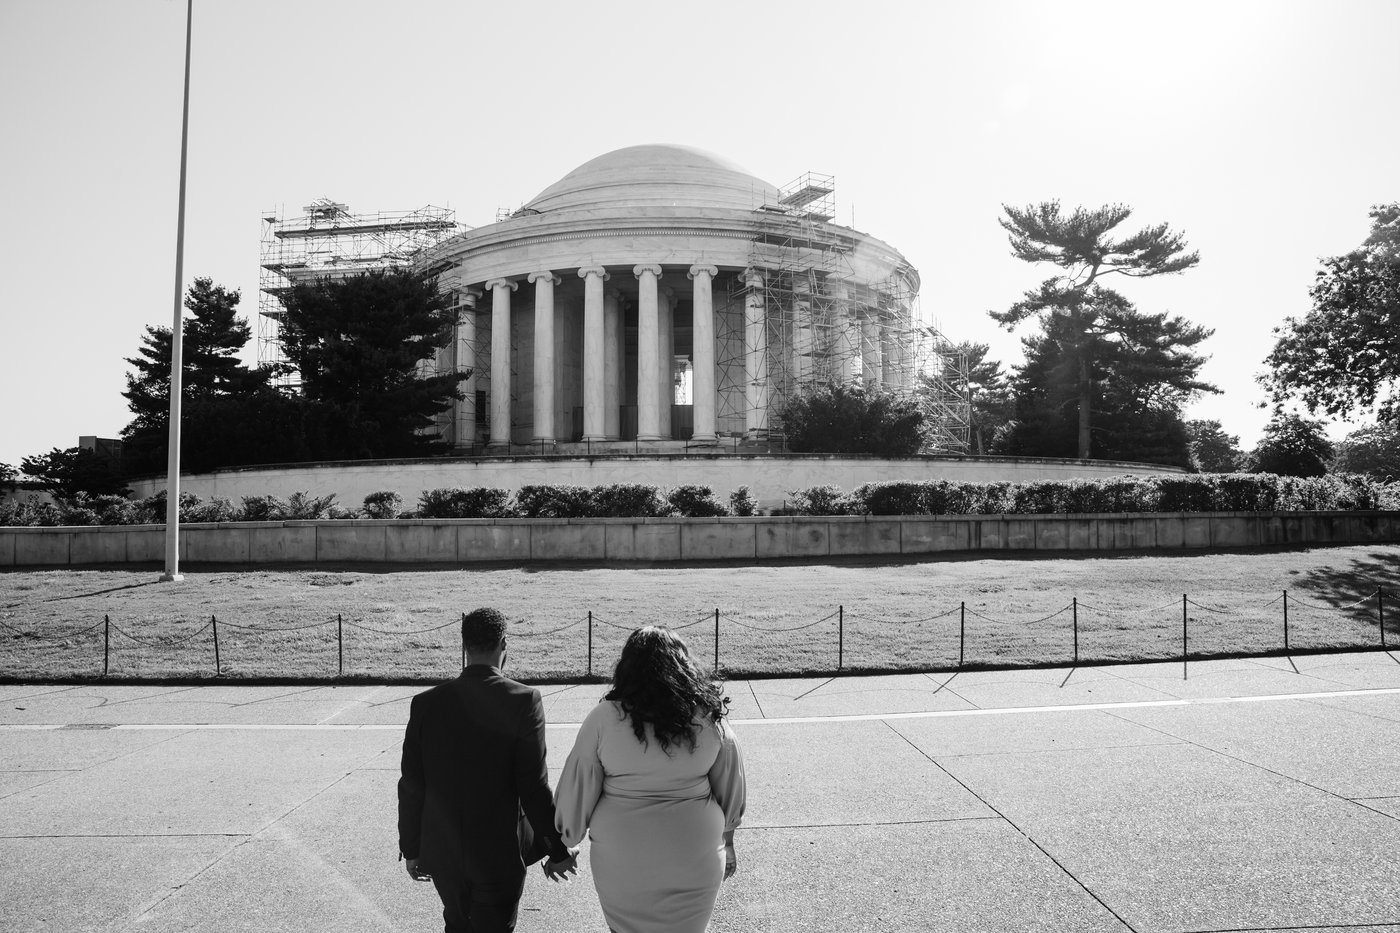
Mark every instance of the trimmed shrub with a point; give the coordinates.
(823, 500)
(216, 509)
(894, 498)
(304, 506)
(383, 504)
(480, 502)
(696, 502)
(741, 503)
(623, 500)
(554, 501)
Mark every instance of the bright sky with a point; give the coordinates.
(1263, 130)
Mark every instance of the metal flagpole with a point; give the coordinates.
(177, 335)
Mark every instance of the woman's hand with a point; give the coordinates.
(731, 861)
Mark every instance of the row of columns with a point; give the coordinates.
(602, 355)
(878, 357)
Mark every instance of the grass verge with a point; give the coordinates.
(861, 614)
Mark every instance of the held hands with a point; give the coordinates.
(563, 869)
(731, 861)
(415, 872)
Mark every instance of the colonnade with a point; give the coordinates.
(603, 355)
(877, 358)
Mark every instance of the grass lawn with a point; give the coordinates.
(400, 624)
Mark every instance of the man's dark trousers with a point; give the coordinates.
(473, 762)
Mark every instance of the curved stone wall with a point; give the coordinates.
(615, 540)
(769, 479)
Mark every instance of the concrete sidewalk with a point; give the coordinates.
(1249, 795)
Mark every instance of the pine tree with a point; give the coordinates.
(1090, 314)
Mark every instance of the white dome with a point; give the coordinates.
(654, 175)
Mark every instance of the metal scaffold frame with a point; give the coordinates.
(822, 325)
(328, 241)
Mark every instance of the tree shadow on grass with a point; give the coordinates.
(1355, 582)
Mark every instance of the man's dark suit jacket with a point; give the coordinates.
(473, 761)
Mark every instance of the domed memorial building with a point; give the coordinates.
(659, 297)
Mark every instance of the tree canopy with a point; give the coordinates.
(66, 473)
(357, 343)
(1142, 370)
(1343, 356)
(1292, 446)
(853, 418)
(1089, 317)
(1212, 450)
(989, 393)
(1373, 450)
(229, 412)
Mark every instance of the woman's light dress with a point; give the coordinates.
(656, 821)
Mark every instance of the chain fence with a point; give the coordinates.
(842, 641)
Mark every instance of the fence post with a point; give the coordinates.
(464, 646)
(1380, 610)
(962, 630)
(1183, 636)
(716, 640)
(840, 637)
(1285, 620)
(339, 643)
(218, 666)
(106, 643)
(1074, 604)
(590, 643)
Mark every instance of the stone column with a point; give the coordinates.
(703, 337)
(466, 362)
(755, 356)
(612, 365)
(500, 360)
(594, 354)
(544, 283)
(648, 348)
(891, 363)
(666, 353)
(871, 362)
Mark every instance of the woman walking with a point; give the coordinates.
(656, 780)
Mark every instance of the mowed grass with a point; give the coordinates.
(773, 618)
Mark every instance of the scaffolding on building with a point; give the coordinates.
(823, 325)
(330, 242)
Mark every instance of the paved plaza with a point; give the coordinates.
(1255, 794)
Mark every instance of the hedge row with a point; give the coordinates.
(1203, 492)
(1206, 492)
(616, 501)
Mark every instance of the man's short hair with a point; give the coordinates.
(483, 629)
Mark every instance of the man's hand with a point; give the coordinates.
(563, 869)
(416, 873)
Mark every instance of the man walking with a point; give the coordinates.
(474, 800)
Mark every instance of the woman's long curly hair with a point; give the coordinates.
(657, 682)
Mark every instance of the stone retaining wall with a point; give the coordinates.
(459, 541)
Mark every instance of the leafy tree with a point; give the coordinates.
(357, 343)
(1140, 378)
(229, 413)
(1344, 355)
(8, 476)
(1212, 450)
(1092, 316)
(1373, 450)
(1292, 446)
(853, 419)
(77, 470)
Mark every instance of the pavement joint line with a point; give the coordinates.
(788, 720)
(1209, 749)
(951, 819)
(1304, 929)
(352, 703)
(754, 693)
(1009, 822)
(125, 835)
